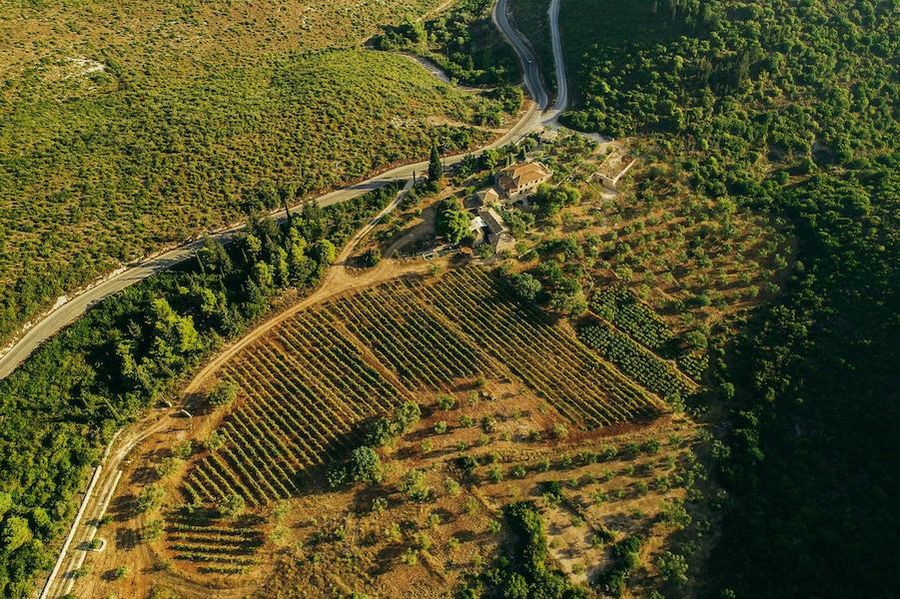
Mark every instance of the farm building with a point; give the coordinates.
(497, 232)
(485, 198)
(521, 180)
(477, 228)
(614, 167)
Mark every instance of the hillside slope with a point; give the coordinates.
(128, 126)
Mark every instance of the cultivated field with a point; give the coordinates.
(306, 387)
(308, 390)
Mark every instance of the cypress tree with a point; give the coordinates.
(435, 168)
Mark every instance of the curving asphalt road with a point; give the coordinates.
(534, 82)
(562, 86)
(73, 309)
(532, 74)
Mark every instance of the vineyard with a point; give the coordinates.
(621, 308)
(632, 336)
(305, 389)
(654, 373)
(217, 547)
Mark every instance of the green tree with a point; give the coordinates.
(6, 503)
(232, 506)
(177, 332)
(222, 394)
(414, 485)
(264, 277)
(550, 200)
(150, 498)
(364, 465)
(215, 257)
(324, 253)
(435, 168)
(371, 257)
(16, 533)
(673, 567)
(452, 220)
(526, 286)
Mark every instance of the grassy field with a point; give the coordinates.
(124, 127)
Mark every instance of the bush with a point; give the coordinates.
(150, 498)
(371, 258)
(232, 506)
(364, 465)
(446, 402)
(223, 394)
(526, 287)
(452, 220)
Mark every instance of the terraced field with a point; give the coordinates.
(307, 387)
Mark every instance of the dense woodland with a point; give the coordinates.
(788, 109)
(129, 353)
(462, 40)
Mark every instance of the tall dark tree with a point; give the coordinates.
(435, 167)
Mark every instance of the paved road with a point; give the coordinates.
(562, 86)
(70, 311)
(533, 81)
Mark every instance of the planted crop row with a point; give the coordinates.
(301, 393)
(405, 336)
(546, 358)
(621, 307)
(226, 550)
(694, 365)
(643, 366)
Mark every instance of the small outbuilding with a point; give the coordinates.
(614, 167)
(486, 197)
(498, 234)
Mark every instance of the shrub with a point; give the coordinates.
(446, 402)
(232, 506)
(364, 465)
(223, 394)
(150, 498)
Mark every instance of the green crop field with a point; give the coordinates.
(125, 127)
